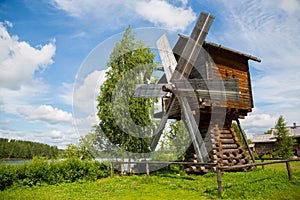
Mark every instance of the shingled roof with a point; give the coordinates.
(263, 138)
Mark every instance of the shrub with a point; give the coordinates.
(7, 175)
(42, 171)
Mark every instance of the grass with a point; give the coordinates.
(269, 183)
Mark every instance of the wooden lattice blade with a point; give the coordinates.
(161, 125)
(166, 55)
(192, 127)
(193, 47)
(149, 90)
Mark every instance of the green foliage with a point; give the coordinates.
(125, 120)
(284, 141)
(239, 134)
(42, 171)
(26, 149)
(268, 131)
(175, 142)
(259, 184)
(78, 151)
(98, 144)
(7, 176)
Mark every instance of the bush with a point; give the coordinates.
(7, 175)
(42, 171)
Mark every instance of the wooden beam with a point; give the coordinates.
(193, 47)
(245, 140)
(166, 55)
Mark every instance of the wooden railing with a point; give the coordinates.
(218, 169)
(274, 161)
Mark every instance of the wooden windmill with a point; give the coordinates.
(207, 86)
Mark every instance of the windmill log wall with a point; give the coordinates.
(220, 139)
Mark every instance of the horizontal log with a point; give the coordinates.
(214, 157)
(229, 146)
(239, 157)
(225, 131)
(220, 154)
(224, 157)
(243, 161)
(212, 152)
(213, 169)
(226, 136)
(225, 162)
(227, 141)
(202, 168)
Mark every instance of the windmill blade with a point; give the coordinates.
(162, 124)
(193, 47)
(149, 90)
(166, 55)
(169, 63)
(195, 134)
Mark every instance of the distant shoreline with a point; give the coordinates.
(14, 159)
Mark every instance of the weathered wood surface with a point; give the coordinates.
(192, 127)
(161, 125)
(224, 64)
(167, 57)
(182, 70)
(149, 90)
(193, 47)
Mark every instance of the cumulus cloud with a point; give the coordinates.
(291, 6)
(162, 13)
(159, 12)
(86, 92)
(19, 60)
(45, 113)
(84, 125)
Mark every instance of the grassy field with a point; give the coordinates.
(269, 183)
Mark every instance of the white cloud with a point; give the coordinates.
(86, 92)
(19, 60)
(258, 122)
(6, 121)
(291, 6)
(259, 119)
(8, 23)
(162, 13)
(269, 30)
(158, 12)
(45, 113)
(84, 125)
(26, 95)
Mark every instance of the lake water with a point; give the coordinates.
(15, 162)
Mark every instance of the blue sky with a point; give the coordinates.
(45, 46)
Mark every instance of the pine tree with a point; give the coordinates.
(130, 63)
(284, 141)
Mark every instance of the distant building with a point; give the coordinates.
(265, 143)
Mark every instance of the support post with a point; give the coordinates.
(147, 171)
(263, 166)
(288, 167)
(245, 140)
(122, 169)
(219, 179)
(111, 170)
